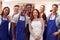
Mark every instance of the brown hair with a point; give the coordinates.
(43, 6)
(29, 5)
(4, 9)
(32, 17)
(16, 6)
(55, 5)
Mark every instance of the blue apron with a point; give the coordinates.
(20, 29)
(4, 30)
(51, 28)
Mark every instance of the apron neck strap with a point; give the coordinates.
(55, 16)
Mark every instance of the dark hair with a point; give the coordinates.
(23, 11)
(4, 9)
(55, 5)
(31, 17)
(29, 5)
(16, 6)
(43, 6)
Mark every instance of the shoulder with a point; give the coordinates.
(58, 17)
(27, 18)
(17, 15)
(41, 19)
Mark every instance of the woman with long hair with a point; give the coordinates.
(36, 26)
(4, 21)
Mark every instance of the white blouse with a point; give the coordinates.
(36, 28)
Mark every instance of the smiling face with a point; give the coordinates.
(35, 13)
(42, 8)
(54, 9)
(5, 11)
(16, 10)
(29, 8)
(23, 13)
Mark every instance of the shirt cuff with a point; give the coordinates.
(59, 30)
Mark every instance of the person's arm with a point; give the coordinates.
(44, 19)
(13, 24)
(13, 29)
(42, 28)
(31, 31)
(9, 18)
(58, 22)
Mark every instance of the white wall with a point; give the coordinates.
(37, 3)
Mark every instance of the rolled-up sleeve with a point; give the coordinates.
(58, 22)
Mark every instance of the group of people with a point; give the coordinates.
(30, 24)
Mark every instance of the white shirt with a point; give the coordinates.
(36, 28)
(15, 18)
(58, 22)
(52, 18)
(1, 19)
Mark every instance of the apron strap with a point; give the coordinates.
(19, 17)
(12, 15)
(55, 16)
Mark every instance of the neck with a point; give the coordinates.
(35, 18)
(54, 13)
(4, 16)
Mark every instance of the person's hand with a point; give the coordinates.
(38, 38)
(9, 17)
(55, 33)
(13, 38)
